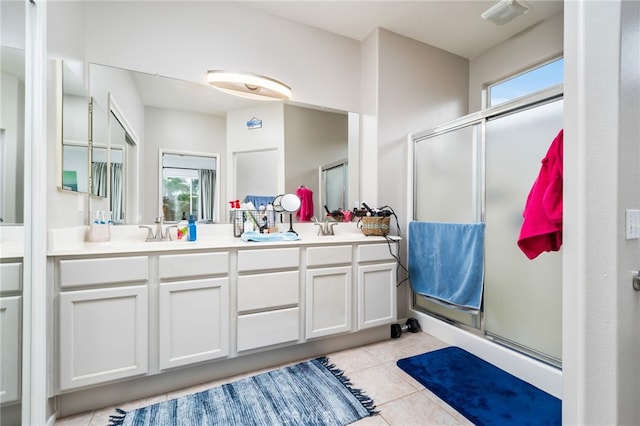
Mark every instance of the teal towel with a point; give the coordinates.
(446, 262)
(276, 236)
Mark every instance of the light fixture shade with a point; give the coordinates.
(504, 11)
(248, 85)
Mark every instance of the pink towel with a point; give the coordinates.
(305, 213)
(542, 226)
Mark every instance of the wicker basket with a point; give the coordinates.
(375, 225)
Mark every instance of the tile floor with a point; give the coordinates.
(371, 368)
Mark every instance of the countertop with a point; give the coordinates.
(131, 239)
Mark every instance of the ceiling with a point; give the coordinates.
(451, 25)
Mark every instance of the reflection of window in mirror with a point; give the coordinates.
(189, 185)
(117, 187)
(99, 173)
(333, 185)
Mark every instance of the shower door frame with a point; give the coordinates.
(479, 118)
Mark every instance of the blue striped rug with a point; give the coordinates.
(309, 393)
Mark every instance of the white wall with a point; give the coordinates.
(418, 86)
(181, 131)
(601, 343)
(532, 47)
(185, 39)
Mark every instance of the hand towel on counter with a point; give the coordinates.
(276, 236)
(446, 262)
(542, 225)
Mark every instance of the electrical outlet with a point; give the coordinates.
(632, 224)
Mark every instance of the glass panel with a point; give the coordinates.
(527, 83)
(522, 297)
(445, 183)
(335, 184)
(446, 191)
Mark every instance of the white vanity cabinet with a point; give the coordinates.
(328, 290)
(103, 319)
(268, 297)
(193, 309)
(10, 330)
(376, 284)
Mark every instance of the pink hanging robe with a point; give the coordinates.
(542, 225)
(305, 213)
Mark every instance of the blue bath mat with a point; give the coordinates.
(483, 393)
(309, 393)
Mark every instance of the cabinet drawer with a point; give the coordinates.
(376, 252)
(265, 291)
(265, 259)
(10, 277)
(333, 255)
(268, 328)
(192, 265)
(82, 272)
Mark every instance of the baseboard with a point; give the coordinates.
(539, 374)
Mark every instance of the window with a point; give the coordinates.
(188, 186)
(526, 83)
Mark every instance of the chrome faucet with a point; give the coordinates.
(326, 227)
(160, 234)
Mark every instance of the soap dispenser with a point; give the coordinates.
(191, 233)
(183, 227)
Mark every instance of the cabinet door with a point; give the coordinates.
(103, 335)
(194, 321)
(376, 295)
(10, 348)
(328, 301)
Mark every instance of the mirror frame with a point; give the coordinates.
(131, 167)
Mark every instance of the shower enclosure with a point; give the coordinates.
(480, 168)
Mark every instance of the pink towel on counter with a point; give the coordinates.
(542, 225)
(305, 212)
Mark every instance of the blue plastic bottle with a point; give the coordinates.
(191, 233)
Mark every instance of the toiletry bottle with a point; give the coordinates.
(191, 233)
(271, 216)
(183, 227)
(248, 226)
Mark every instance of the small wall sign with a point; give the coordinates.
(254, 123)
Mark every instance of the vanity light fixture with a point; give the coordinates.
(248, 85)
(504, 11)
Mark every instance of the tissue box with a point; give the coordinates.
(99, 232)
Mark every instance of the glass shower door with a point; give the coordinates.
(522, 297)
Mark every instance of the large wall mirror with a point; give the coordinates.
(12, 125)
(181, 118)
